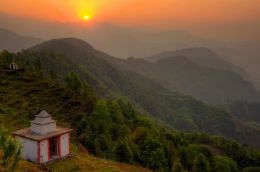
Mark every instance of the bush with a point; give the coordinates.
(11, 152)
(224, 164)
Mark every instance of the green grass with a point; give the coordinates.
(84, 162)
(80, 162)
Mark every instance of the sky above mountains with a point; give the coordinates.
(219, 19)
(132, 11)
(141, 28)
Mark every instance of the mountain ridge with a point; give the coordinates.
(14, 42)
(211, 85)
(202, 56)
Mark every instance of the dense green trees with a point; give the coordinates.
(123, 152)
(73, 82)
(177, 166)
(224, 164)
(200, 164)
(153, 154)
(114, 130)
(6, 57)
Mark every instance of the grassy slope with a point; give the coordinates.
(83, 162)
(22, 96)
(80, 162)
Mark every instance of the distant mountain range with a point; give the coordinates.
(202, 56)
(225, 59)
(192, 83)
(11, 41)
(198, 72)
(181, 112)
(139, 42)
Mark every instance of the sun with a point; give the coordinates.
(86, 17)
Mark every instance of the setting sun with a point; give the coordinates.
(86, 17)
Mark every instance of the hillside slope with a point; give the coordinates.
(109, 128)
(179, 111)
(245, 111)
(22, 95)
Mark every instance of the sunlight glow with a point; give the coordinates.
(86, 17)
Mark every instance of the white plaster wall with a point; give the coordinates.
(44, 151)
(64, 141)
(36, 129)
(48, 128)
(29, 149)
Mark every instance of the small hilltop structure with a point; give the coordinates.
(13, 66)
(44, 141)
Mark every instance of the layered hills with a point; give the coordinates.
(178, 73)
(177, 110)
(14, 42)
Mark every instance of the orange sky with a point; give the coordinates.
(135, 11)
(231, 19)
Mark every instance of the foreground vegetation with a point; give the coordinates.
(113, 129)
(9, 152)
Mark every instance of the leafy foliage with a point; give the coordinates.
(224, 164)
(11, 152)
(200, 164)
(6, 57)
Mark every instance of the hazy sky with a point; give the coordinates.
(203, 16)
(132, 11)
